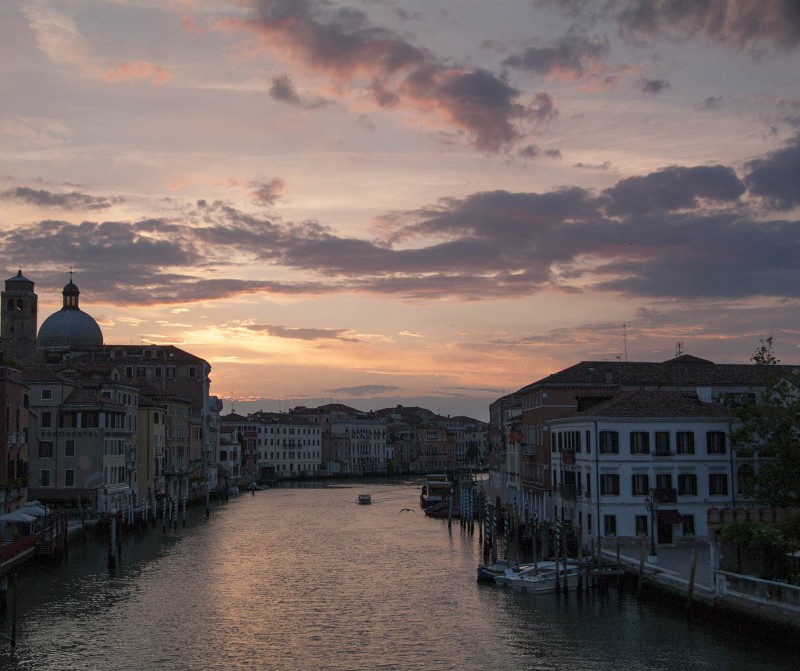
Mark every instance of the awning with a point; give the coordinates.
(669, 516)
(16, 516)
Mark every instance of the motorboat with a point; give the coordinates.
(364, 499)
(512, 573)
(545, 578)
(436, 490)
(487, 573)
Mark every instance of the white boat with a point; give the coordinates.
(542, 578)
(435, 490)
(512, 573)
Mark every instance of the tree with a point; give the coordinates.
(772, 427)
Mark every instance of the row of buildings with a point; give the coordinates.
(623, 450)
(134, 428)
(337, 440)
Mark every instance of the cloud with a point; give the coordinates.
(64, 201)
(776, 178)
(674, 188)
(752, 25)
(282, 89)
(675, 233)
(364, 390)
(532, 151)
(653, 86)
(340, 45)
(605, 165)
(738, 23)
(569, 58)
(267, 193)
(302, 333)
(59, 38)
(123, 72)
(712, 103)
(790, 108)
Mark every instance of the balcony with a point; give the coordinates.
(665, 495)
(660, 454)
(567, 491)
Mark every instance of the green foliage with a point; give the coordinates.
(767, 544)
(772, 426)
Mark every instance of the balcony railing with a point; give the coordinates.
(664, 453)
(567, 491)
(665, 495)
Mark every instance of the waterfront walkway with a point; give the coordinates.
(671, 567)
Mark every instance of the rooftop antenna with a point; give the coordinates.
(678, 348)
(625, 340)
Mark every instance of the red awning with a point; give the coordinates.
(669, 516)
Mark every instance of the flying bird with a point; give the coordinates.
(411, 510)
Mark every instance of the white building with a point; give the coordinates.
(367, 443)
(284, 446)
(610, 461)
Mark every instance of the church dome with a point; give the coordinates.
(70, 328)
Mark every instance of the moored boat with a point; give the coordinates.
(490, 572)
(436, 489)
(545, 578)
(365, 499)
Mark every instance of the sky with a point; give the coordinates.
(415, 202)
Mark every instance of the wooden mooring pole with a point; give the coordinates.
(692, 570)
(641, 567)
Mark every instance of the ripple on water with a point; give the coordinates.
(306, 578)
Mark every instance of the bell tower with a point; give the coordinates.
(19, 318)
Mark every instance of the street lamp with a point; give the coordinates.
(651, 503)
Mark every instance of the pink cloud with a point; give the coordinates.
(138, 70)
(361, 59)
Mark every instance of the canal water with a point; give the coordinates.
(305, 578)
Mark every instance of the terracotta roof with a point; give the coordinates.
(81, 396)
(640, 403)
(685, 371)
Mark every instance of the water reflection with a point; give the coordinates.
(302, 578)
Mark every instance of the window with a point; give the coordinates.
(687, 484)
(170, 373)
(47, 394)
(157, 372)
(717, 484)
(45, 449)
(609, 442)
(609, 484)
(588, 441)
(610, 525)
(685, 440)
(640, 442)
(47, 419)
(688, 525)
(640, 484)
(44, 477)
(664, 481)
(69, 448)
(715, 442)
(192, 372)
(662, 443)
(129, 371)
(69, 477)
(641, 525)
